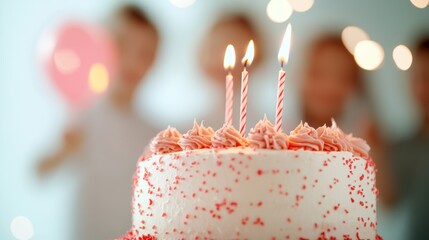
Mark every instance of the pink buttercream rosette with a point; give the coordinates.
(305, 137)
(166, 141)
(264, 136)
(334, 138)
(359, 146)
(227, 137)
(198, 137)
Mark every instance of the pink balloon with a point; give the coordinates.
(77, 48)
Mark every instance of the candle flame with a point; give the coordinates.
(229, 60)
(250, 54)
(334, 124)
(285, 47)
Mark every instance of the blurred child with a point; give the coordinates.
(331, 86)
(237, 30)
(107, 140)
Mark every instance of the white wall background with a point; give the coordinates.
(32, 113)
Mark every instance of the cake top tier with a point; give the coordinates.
(262, 136)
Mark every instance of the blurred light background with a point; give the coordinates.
(32, 113)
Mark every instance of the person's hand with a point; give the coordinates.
(47, 165)
(71, 142)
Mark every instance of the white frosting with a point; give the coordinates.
(241, 193)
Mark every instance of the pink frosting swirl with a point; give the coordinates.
(341, 137)
(359, 146)
(305, 137)
(166, 141)
(197, 138)
(334, 139)
(228, 136)
(280, 141)
(264, 136)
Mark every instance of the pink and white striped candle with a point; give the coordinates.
(243, 103)
(283, 59)
(229, 98)
(228, 64)
(247, 60)
(280, 98)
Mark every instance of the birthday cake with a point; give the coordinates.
(205, 184)
(310, 184)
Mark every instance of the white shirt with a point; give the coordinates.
(113, 139)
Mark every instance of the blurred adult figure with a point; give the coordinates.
(409, 158)
(108, 138)
(332, 86)
(236, 29)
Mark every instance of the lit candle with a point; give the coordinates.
(283, 59)
(247, 60)
(228, 64)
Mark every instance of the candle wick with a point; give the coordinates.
(281, 64)
(245, 64)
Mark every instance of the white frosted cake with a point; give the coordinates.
(311, 184)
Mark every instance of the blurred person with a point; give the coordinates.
(409, 158)
(236, 29)
(332, 85)
(109, 137)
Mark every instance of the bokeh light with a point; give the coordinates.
(98, 78)
(301, 5)
(369, 55)
(403, 57)
(351, 36)
(182, 3)
(420, 3)
(279, 10)
(66, 61)
(22, 228)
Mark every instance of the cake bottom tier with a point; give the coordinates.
(255, 194)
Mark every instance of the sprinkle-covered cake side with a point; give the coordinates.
(251, 194)
(205, 184)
